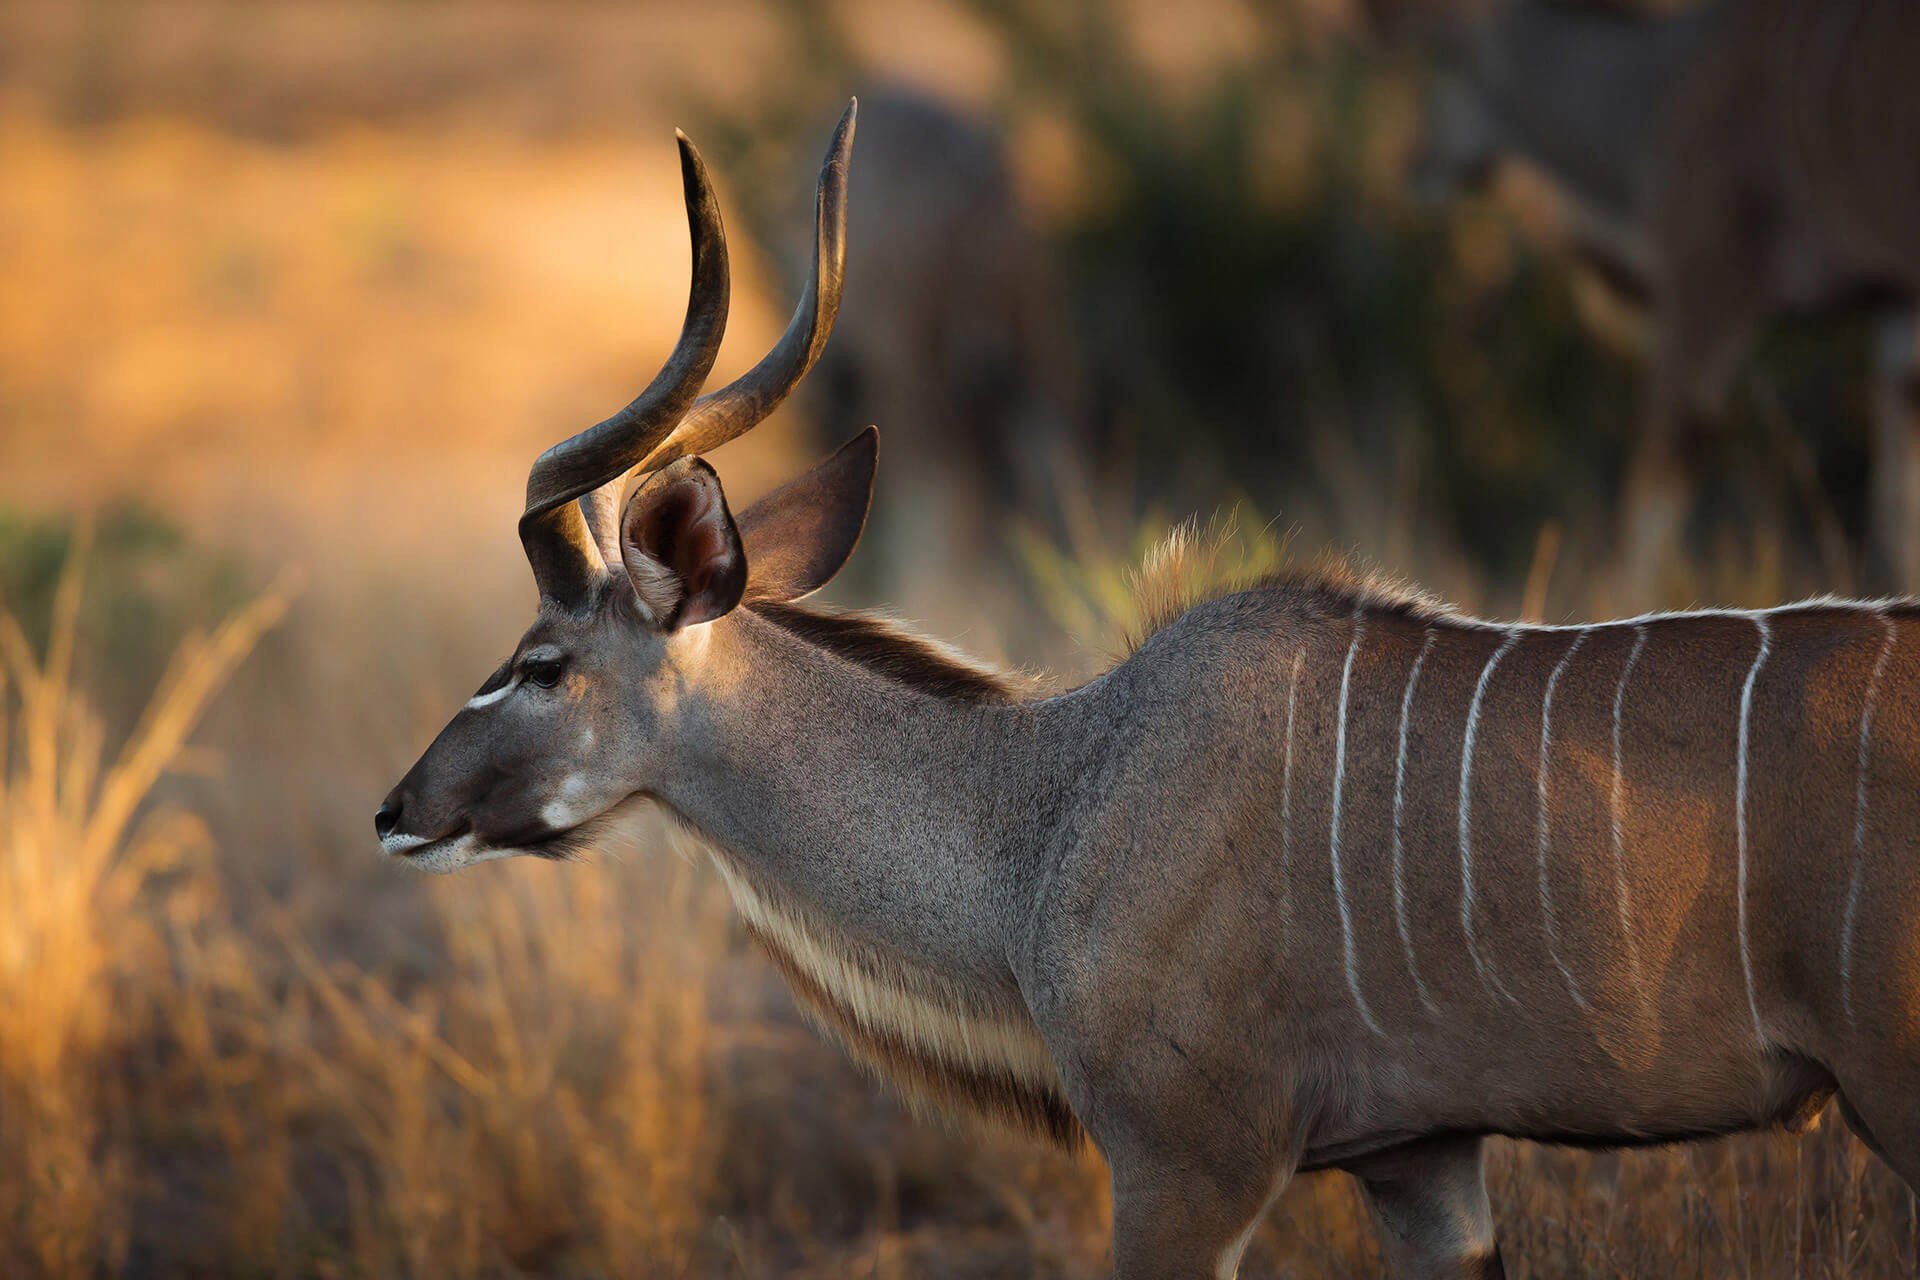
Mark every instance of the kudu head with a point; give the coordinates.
(582, 717)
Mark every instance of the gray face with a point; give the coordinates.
(581, 718)
(562, 733)
(593, 707)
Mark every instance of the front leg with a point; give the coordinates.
(1198, 1149)
(1173, 1221)
(1429, 1202)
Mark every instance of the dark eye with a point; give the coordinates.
(544, 672)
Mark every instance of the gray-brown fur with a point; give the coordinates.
(885, 646)
(1165, 908)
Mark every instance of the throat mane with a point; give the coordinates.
(945, 1046)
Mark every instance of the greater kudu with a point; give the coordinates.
(1725, 165)
(1319, 876)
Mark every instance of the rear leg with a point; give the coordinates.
(1429, 1203)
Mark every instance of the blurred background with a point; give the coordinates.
(293, 291)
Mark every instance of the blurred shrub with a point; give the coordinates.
(149, 584)
(1260, 307)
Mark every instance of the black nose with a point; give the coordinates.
(386, 818)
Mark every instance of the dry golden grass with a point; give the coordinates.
(83, 847)
(577, 1070)
(542, 1095)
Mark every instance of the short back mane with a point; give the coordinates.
(890, 650)
(1187, 569)
(1191, 567)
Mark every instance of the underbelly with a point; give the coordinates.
(1786, 1091)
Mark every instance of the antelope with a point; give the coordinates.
(1322, 875)
(955, 335)
(1726, 165)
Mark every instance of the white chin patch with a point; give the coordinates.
(444, 857)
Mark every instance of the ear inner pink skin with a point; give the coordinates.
(709, 556)
(680, 547)
(687, 557)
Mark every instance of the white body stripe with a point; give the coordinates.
(1544, 842)
(1399, 825)
(1286, 789)
(1740, 816)
(1670, 615)
(1622, 894)
(1890, 634)
(1333, 835)
(1466, 813)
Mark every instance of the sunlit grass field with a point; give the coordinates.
(275, 352)
(585, 1070)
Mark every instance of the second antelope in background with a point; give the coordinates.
(1321, 875)
(1735, 162)
(956, 336)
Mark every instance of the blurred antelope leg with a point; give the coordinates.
(1893, 534)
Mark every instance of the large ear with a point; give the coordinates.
(798, 536)
(680, 547)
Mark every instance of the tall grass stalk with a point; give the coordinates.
(81, 838)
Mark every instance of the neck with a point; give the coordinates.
(883, 844)
(903, 820)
